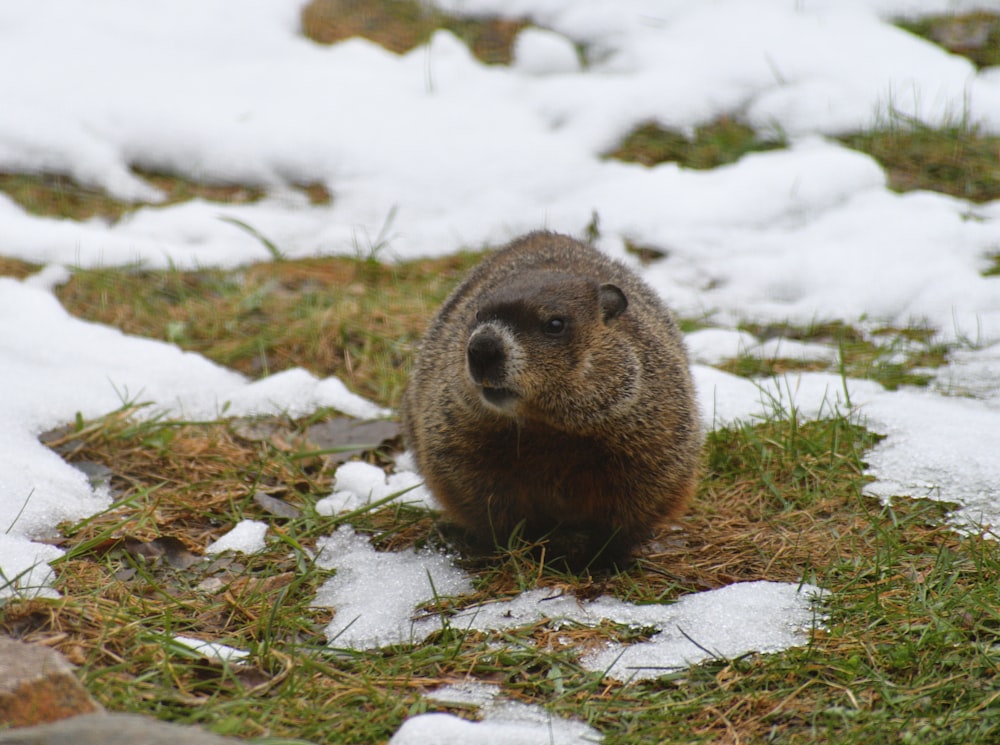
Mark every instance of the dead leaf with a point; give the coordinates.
(275, 506)
(252, 677)
(172, 550)
(343, 437)
(274, 431)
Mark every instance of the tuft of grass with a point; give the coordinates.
(398, 25)
(270, 245)
(58, 195)
(16, 268)
(182, 189)
(351, 317)
(714, 144)
(956, 159)
(316, 192)
(890, 356)
(994, 270)
(900, 357)
(491, 40)
(402, 25)
(753, 366)
(780, 488)
(644, 253)
(972, 35)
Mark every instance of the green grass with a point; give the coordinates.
(720, 142)
(955, 159)
(909, 644)
(994, 269)
(890, 356)
(58, 195)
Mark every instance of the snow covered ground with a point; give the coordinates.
(440, 152)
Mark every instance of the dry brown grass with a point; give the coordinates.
(766, 509)
(957, 159)
(402, 25)
(16, 268)
(716, 143)
(397, 26)
(58, 195)
(192, 480)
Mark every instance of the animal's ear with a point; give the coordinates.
(612, 300)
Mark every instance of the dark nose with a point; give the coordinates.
(486, 358)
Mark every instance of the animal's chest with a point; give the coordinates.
(549, 474)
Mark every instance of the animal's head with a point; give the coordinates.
(540, 347)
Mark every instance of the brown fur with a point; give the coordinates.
(587, 437)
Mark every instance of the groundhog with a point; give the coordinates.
(551, 399)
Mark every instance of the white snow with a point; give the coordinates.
(725, 623)
(430, 152)
(719, 624)
(540, 52)
(502, 722)
(298, 392)
(375, 593)
(213, 650)
(974, 374)
(467, 692)
(938, 447)
(24, 567)
(358, 484)
(519, 724)
(246, 537)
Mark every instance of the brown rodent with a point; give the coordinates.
(552, 396)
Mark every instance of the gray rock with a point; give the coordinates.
(112, 729)
(37, 685)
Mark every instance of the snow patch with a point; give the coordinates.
(357, 485)
(246, 537)
(375, 594)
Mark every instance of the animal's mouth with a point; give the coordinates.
(502, 398)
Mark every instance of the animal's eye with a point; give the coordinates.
(554, 326)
